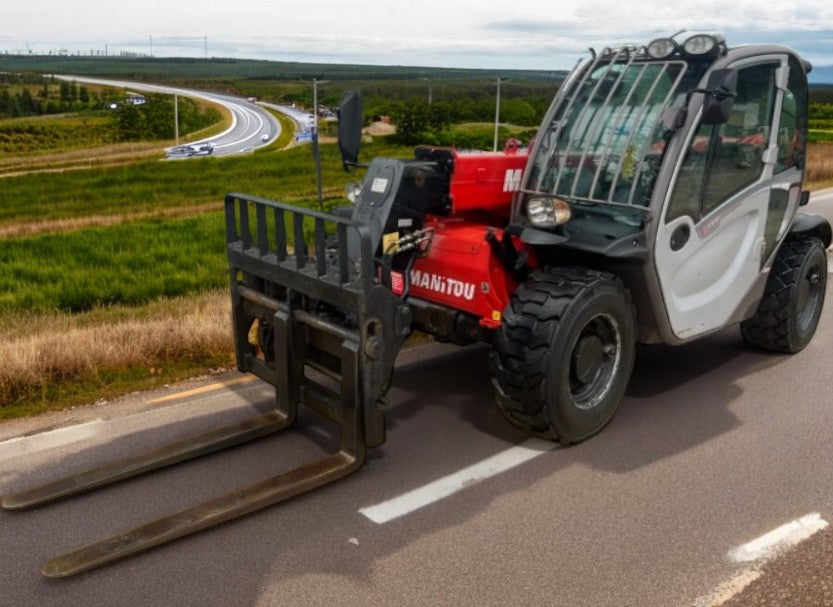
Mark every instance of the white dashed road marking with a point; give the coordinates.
(22, 445)
(779, 539)
(757, 552)
(443, 487)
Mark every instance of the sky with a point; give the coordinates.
(503, 34)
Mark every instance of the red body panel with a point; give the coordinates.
(486, 181)
(461, 271)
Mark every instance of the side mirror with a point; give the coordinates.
(720, 94)
(350, 120)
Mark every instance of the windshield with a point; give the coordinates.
(605, 141)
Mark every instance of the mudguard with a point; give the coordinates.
(812, 225)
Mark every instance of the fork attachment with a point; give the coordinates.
(317, 326)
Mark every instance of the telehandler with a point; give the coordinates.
(657, 204)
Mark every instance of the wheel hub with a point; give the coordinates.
(588, 357)
(594, 361)
(807, 298)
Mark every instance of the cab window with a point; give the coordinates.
(723, 159)
(791, 143)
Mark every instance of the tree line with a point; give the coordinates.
(154, 119)
(25, 95)
(22, 96)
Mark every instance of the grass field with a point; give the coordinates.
(51, 134)
(109, 277)
(819, 166)
(61, 142)
(56, 360)
(129, 263)
(150, 186)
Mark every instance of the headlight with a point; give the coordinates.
(699, 45)
(547, 212)
(352, 190)
(661, 48)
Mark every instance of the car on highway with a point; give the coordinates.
(193, 149)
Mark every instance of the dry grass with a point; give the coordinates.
(108, 155)
(819, 166)
(41, 353)
(53, 226)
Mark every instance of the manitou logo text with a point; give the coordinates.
(512, 180)
(442, 284)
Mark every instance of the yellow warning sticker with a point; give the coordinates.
(496, 315)
(390, 243)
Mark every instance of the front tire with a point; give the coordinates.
(564, 353)
(789, 311)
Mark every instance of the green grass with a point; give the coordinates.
(130, 263)
(134, 262)
(820, 136)
(153, 185)
(51, 134)
(108, 383)
(287, 131)
(481, 136)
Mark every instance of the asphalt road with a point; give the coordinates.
(303, 120)
(715, 446)
(249, 121)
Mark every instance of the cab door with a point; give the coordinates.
(711, 242)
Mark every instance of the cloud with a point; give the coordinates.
(533, 34)
(520, 26)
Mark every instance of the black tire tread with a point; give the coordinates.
(769, 328)
(521, 351)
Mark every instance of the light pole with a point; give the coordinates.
(430, 90)
(176, 119)
(316, 153)
(497, 114)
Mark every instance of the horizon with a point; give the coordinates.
(534, 35)
(819, 75)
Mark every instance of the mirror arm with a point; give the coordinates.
(347, 164)
(719, 93)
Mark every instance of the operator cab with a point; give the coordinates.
(695, 120)
(678, 167)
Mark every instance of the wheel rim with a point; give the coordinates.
(808, 297)
(595, 361)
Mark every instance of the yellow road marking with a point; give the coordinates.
(201, 390)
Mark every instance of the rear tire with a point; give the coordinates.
(564, 353)
(789, 311)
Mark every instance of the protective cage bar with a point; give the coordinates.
(592, 133)
(260, 258)
(263, 249)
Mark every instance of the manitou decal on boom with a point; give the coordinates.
(442, 285)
